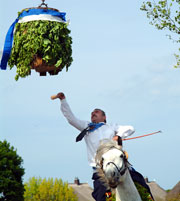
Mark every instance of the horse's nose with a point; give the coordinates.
(111, 177)
(113, 174)
(110, 172)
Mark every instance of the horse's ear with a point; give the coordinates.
(126, 156)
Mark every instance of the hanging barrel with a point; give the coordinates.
(41, 41)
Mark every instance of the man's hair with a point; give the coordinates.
(103, 113)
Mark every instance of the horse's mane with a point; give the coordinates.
(105, 145)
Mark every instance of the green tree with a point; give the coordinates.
(11, 173)
(164, 14)
(38, 189)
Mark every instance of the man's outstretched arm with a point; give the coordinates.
(66, 110)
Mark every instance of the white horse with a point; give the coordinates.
(112, 166)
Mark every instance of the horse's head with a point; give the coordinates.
(112, 163)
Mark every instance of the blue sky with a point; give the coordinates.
(122, 65)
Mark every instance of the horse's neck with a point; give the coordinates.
(126, 190)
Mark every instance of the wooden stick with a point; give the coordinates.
(53, 97)
(141, 136)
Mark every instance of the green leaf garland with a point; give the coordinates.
(48, 40)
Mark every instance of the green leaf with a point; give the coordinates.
(46, 41)
(59, 62)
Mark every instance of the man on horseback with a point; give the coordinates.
(93, 132)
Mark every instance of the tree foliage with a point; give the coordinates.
(164, 14)
(11, 173)
(38, 189)
(145, 196)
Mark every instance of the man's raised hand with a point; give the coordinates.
(60, 95)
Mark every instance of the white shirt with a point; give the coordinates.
(93, 138)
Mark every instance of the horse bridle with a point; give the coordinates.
(120, 171)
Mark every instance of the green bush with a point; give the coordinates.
(145, 196)
(37, 189)
(48, 40)
(11, 172)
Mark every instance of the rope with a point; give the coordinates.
(43, 4)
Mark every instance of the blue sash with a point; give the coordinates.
(94, 126)
(9, 35)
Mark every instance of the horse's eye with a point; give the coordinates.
(121, 156)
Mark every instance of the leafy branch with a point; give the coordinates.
(165, 15)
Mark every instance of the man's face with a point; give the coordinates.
(97, 116)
